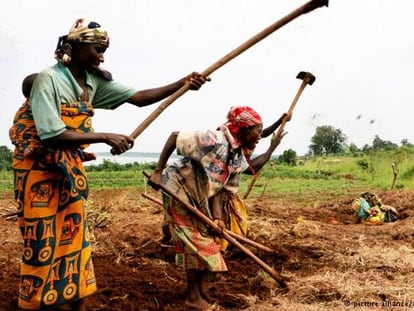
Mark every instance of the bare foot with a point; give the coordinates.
(205, 306)
(200, 304)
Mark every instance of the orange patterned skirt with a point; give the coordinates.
(57, 263)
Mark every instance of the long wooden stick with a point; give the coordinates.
(234, 235)
(307, 7)
(250, 187)
(257, 245)
(308, 78)
(304, 83)
(395, 173)
(151, 198)
(273, 273)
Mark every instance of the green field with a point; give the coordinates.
(323, 177)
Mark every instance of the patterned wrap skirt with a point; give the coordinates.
(196, 247)
(50, 192)
(57, 263)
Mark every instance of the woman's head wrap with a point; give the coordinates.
(86, 31)
(82, 31)
(240, 117)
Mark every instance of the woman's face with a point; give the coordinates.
(91, 56)
(250, 136)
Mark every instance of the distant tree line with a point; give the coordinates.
(328, 140)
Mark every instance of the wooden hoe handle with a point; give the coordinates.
(307, 78)
(307, 7)
(233, 234)
(225, 233)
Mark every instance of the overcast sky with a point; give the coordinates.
(361, 52)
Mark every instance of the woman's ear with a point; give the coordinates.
(241, 132)
(76, 46)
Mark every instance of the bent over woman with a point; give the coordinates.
(212, 161)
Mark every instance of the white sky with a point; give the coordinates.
(361, 52)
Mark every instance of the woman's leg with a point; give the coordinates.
(194, 286)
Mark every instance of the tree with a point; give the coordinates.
(367, 148)
(379, 144)
(353, 148)
(406, 143)
(327, 140)
(288, 157)
(5, 158)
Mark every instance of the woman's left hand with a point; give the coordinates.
(276, 139)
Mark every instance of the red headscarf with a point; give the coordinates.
(241, 116)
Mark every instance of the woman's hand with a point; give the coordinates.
(196, 80)
(155, 179)
(221, 226)
(220, 223)
(119, 142)
(287, 117)
(276, 139)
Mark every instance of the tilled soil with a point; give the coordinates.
(329, 261)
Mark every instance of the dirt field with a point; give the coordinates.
(333, 263)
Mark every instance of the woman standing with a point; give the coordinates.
(50, 136)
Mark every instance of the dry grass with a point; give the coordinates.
(332, 260)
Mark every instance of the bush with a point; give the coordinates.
(408, 174)
(363, 164)
(5, 158)
(288, 157)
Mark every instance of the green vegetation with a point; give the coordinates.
(333, 177)
(325, 177)
(6, 181)
(327, 140)
(5, 158)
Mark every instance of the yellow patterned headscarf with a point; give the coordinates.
(88, 32)
(82, 31)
